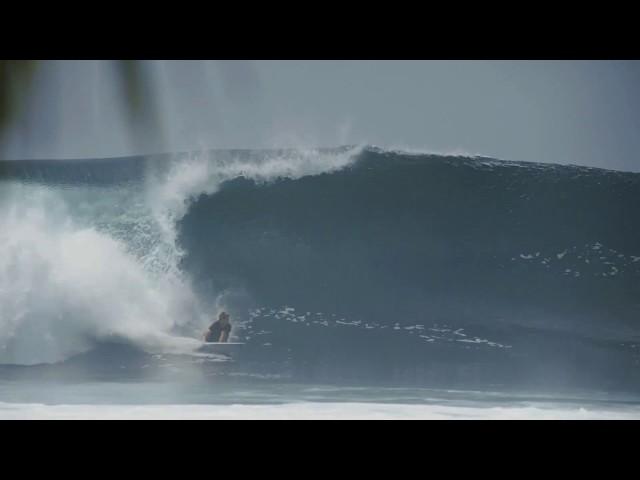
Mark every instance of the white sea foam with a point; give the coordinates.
(313, 410)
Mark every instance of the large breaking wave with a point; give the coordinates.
(360, 261)
(89, 248)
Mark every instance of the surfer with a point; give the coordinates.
(219, 330)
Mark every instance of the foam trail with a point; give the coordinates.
(311, 410)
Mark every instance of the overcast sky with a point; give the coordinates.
(584, 113)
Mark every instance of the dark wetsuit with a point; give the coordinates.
(213, 335)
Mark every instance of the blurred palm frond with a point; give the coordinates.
(16, 79)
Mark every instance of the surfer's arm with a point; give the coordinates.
(223, 336)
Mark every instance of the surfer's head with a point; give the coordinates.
(223, 317)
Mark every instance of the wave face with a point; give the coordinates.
(343, 263)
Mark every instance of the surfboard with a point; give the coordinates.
(220, 347)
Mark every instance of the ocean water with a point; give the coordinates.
(362, 282)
